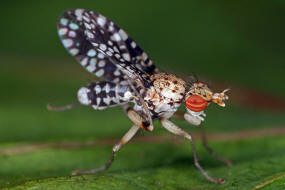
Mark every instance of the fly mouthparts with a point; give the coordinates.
(225, 97)
(218, 98)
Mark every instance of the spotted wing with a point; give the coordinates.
(99, 44)
(94, 38)
(114, 42)
(71, 31)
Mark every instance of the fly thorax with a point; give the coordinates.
(166, 93)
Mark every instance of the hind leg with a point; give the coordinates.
(139, 122)
(126, 138)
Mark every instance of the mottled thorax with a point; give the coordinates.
(165, 95)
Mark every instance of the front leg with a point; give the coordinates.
(190, 118)
(209, 149)
(194, 118)
(171, 127)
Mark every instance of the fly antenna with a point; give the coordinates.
(62, 108)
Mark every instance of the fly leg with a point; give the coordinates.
(138, 119)
(126, 138)
(192, 120)
(210, 150)
(62, 108)
(171, 127)
(139, 122)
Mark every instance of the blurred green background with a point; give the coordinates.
(237, 44)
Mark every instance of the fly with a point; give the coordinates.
(130, 79)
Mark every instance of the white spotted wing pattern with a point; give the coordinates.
(72, 34)
(101, 47)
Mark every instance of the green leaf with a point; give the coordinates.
(142, 166)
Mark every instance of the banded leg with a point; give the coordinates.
(126, 138)
(210, 150)
(171, 127)
(137, 119)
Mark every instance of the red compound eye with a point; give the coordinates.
(196, 103)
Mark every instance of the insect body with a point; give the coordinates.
(130, 80)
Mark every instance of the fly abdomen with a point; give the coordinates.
(103, 94)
